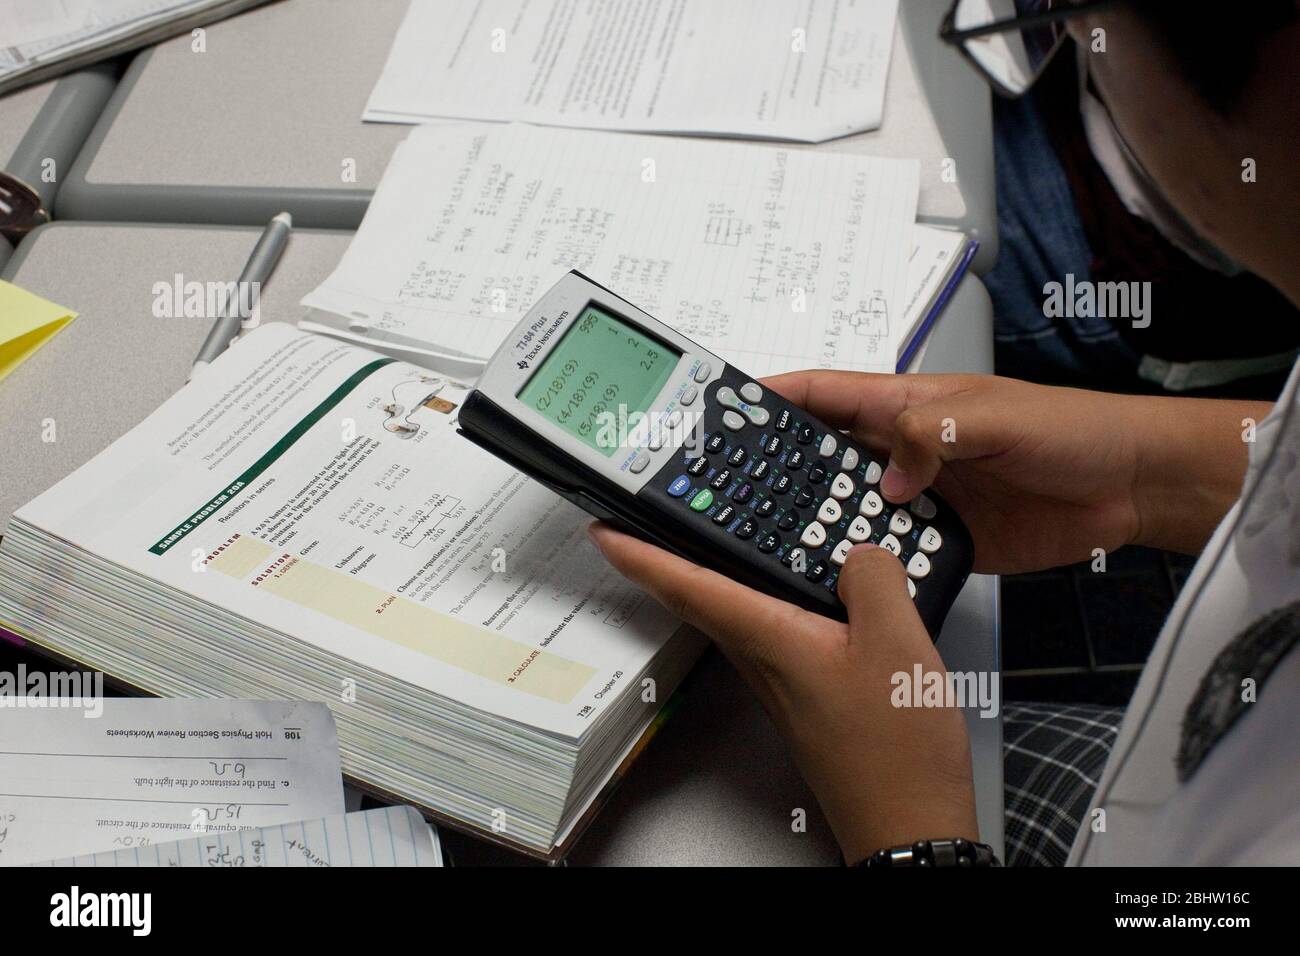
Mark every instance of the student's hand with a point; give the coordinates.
(883, 775)
(1042, 476)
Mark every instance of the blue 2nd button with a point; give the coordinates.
(681, 484)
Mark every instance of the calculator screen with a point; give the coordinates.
(600, 379)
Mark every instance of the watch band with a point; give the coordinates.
(939, 853)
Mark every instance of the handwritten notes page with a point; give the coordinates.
(392, 836)
(147, 771)
(770, 257)
(761, 68)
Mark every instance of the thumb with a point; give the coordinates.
(873, 587)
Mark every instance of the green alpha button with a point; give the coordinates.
(702, 500)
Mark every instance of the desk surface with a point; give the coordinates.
(717, 786)
(310, 66)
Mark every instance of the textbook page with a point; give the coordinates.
(392, 836)
(769, 69)
(84, 775)
(769, 257)
(322, 491)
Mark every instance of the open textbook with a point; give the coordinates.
(759, 68)
(302, 521)
(43, 38)
(775, 259)
(392, 836)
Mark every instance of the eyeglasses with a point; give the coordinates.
(1010, 42)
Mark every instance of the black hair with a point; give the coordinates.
(1217, 47)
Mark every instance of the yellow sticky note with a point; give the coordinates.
(26, 323)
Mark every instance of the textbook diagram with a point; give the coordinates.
(411, 396)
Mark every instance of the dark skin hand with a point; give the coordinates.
(1042, 476)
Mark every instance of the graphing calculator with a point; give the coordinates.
(641, 427)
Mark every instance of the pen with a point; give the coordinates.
(260, 265)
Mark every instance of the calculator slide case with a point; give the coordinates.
(768, 469)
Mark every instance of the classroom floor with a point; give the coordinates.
(1075, 636)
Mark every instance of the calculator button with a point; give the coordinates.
(874, 471)
(795, 555)
(751, 393)
(794, 460)
(841, 552)
(804, 435)
(733, 421)
(817, 474)
(743, 493)
(721, 479)
(769, 542)
(746, 529)
(814, 535)
(715, 443)
(931, 541)
(656, 440)
(773, 447)
(900, 522)
(911, 589)
(842, 487)
(788, 521)
(828, 446)
(924, 507)
(890, 544)
(918, 567)
(760, 470)
(724, 515)
(829, 512)
(818, 571)
(859, 530)
(758, 415)
(639, 463)
(688, 396)
(738, 457)
(698, 466)
(850, 460)
(871, 505)
(803, 499)
(703, 372)
(702, 500)
(784, 420)
(681, 484)
(674, 419)
(781, 485)
(765, 507)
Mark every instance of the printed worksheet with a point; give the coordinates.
(83, 775)
(775, 259)
(392, 836)
(322, 491)
(773, 69)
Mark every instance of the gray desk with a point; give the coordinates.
(717, 786)
(48, 123)
(309, 65)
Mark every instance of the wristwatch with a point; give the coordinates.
(945, 853)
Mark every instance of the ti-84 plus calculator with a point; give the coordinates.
(642, 427)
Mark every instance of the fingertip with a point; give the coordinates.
(893, 483)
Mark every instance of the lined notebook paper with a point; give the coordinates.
(769, 257)
(392, 836)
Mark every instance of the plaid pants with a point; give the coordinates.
(1053, 758)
